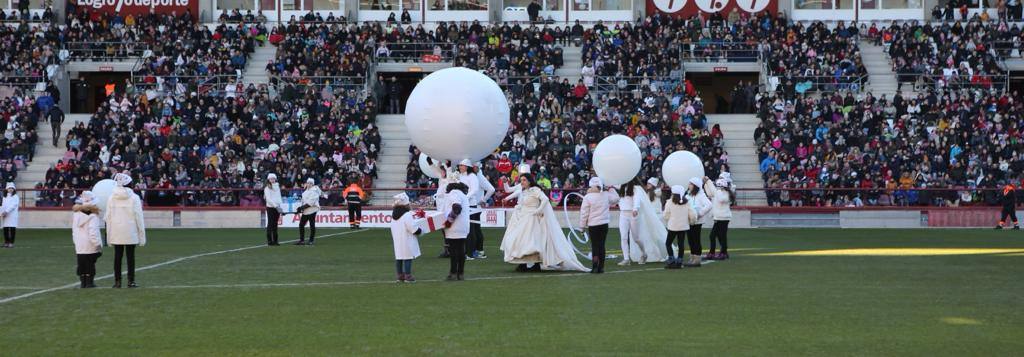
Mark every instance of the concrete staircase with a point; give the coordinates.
(572, 64)
(393, 158)
(256, 68)
(46, 153)
(881, 78)
(738, 130)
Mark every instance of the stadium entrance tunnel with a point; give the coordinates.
(396, 86)
(884, 252)
(719, 91)
(91, 89)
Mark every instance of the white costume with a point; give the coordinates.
(407, 246)
(125, 222)
(272, 196)
(10, 207)
(534, 235)
(460, 227)
(311, 198)
(85, 231)
(699, 201)
(643, 234)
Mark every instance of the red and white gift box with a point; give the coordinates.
(432, 221)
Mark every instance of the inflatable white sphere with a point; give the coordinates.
(102, 191)
(457, 113)
(616, 159)
(680, 166)
(426, 168)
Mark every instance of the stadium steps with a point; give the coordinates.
(256, 68)
(881, 78)
(393, 158)
(46, 154)
(572, 64)
(777, 220)
(738, 130)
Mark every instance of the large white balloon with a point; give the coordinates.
(616, 159)
(680, 166)
(426, 168)
(102, 191)
(457, 113)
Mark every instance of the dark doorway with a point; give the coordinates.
(1016, 82)
(395, 89)
(90, 89)
(721, 92)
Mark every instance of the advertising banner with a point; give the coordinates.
(380, 219)
(140, 7)
(687, 8)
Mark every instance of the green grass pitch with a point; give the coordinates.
(785, 292)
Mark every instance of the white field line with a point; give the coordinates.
(392, 282)
(154, 266)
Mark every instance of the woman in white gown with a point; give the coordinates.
(641, 231)
(534, 235)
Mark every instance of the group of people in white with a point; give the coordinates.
(125, 225)
(534, 240)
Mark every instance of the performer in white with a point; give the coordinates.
(653, 189)
(445, 176)
(9, 214)
(126, 227)
(272, 197)
(404, 232)
(484, 193)
(697, 199)
(515, 190)
(534, 235)
(641, 232)
(310, 206)
(468, 176)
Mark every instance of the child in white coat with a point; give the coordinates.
(9, 213)
(721, 197)
(85, 232)
(404, 233)
(701, 206)
(678, 215)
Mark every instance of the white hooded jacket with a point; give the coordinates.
(85, 230)
(125, 222)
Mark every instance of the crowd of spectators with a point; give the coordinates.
(884, 146)
(212, 141)
(953, 55)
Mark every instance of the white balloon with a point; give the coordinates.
(457, 113)
(680, 166)
(102, 191)
(616, 159)
(426, 168)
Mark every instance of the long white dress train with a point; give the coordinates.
(534, 235)
(651, 231)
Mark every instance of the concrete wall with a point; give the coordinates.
(880, 219)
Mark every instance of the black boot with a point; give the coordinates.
(90, 281)
(82, 279)
(132, 284)
(117, 284)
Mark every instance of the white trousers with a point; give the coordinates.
(628, 230)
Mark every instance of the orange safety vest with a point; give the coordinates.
(109, 88)
(354, 188)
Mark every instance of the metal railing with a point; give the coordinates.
(336, 83)
(423, 52)
(964, 81)
(820, 84)
(720, 52)
(168, 85)
(630, 84)
(103, 51)
(796, 198)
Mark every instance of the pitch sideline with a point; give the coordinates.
(154, 266)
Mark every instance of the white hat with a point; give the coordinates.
(87, 197)
(122, 179)
(466, 162)
(722, 183)
(311, 181)
(595, 182)
(725, 176)
(401, 199)
(696, 182)
(653, 181)
(678, 190)
(271, 176)
(10, 186)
